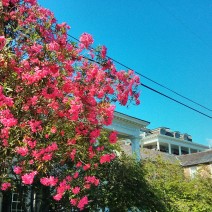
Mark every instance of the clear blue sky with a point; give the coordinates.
(167, 40)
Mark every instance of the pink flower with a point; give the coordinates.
(51, 181)
(86, 167)
(87, 186)
(17, 169)
(86, 40)
(103, 52)
(5, 142)
(73, 202)
(58, 196)
(23, 151)
(71, 141)
(5, 186)
(69, 178)
(35, 125)
(82, 202)
(72, 154)
(79, 164)
(52, 147)
(107, 158)
(32, 2)
(27, 179)
(53, 129)
(53, 46)
(95, 133)
(47, 157)
(76, 190)
(2, 42)
(76, 175)
(5, 3)
(113, 137)
(8, 122)
(92, 180)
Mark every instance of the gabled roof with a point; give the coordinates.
(196, 158)
(131, 119)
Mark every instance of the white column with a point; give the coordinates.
(170, 148)
(135, 141)
(180, 151)
(189, 150)
(158, 146)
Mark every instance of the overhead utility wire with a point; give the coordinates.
(175, 100)
(158, 92)
(163, 86)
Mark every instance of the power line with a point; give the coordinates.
(163, 86)
(158, 92)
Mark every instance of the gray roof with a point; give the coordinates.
(155, 154)
(185, 160)
(150, 154)
(196, 158)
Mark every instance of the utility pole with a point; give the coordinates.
(1, 19)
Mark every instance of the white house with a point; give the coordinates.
(165, 140)
(135, 132)
(130, 130)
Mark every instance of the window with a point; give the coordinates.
(193, 171)
(15, 204)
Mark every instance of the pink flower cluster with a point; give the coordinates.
(23, 151)
(62, 188)
(5, 186)
(81, 203)
(113, 137)
(45, 154)
(27, 179)
(86, 40)
(91, 180)
(49, 181)
(107, 158)
(7, 118)
(17, 170)
(2, 42)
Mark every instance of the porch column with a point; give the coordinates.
(170, 148)
(158, 146)
(180, 151)
(135, 141)
(189, 150)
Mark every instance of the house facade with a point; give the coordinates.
(172, 142)
(135, 132)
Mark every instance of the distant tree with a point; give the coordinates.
(177, 192)
(54, 102)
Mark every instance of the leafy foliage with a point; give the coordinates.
(177, 192)
(125, 188)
